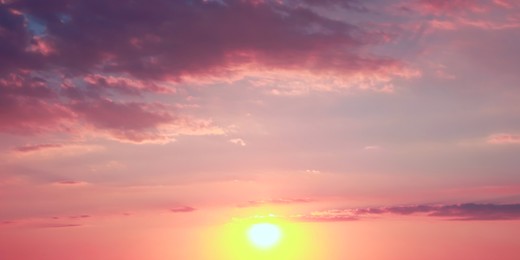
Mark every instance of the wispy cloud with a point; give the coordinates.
(36, 147)
(183, 209)
(466, 211)
(70, 183)
(238, 141)
(504, 138)
(279, 201)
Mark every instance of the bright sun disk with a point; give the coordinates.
(264, 235)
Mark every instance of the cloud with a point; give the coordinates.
(372, 148)
(70, 183)
(32, 106)
(79, 216)
(183, 209)
(56, 225)
(53, 150)
(170, 41)
(441, 7)
(124, 85)
(466, 211)
(238, 141)
(324, 217)
(96, 77)
(124, 120)
(459, 14)
(504, 3)
(503, 139)
(280, 201)
(47, 222)
(29, 106)
(471, 211)
(37, 147)
(41, 224)
(312, 171)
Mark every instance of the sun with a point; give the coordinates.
(264, 235)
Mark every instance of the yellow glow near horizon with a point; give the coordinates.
(264, 235)
(262, 238)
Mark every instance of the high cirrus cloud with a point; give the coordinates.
(465, 211)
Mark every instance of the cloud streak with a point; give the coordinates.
(183, 209)
(504, 139)
(280, 201)
(462, 212)
(168, 41)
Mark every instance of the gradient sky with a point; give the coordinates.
(150, 129)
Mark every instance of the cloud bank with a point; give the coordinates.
(466, 211)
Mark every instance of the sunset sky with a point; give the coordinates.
(166, 129)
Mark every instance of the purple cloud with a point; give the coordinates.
(173, 39)
(466, 211)
(77, 72)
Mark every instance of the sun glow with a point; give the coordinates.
(264, 235)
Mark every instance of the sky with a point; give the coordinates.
(164, 129)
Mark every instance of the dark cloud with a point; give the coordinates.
(172, 39)
(466, 211)
(471, 211)
(78, 70)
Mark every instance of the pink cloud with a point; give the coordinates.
(504, 139)
(372, 148)
(107, 114)
(56, 225)
(443, 25)
(42, 224)
(125, 85)
(238, 141)
(49, 222)
(280, 201)
(450, 6)
(79, 216)
(31, 105)
(37, 147)
(456, 15)
(504, 3)
(183, 209)
(42, 46)
(65, 82)
(70, 183)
